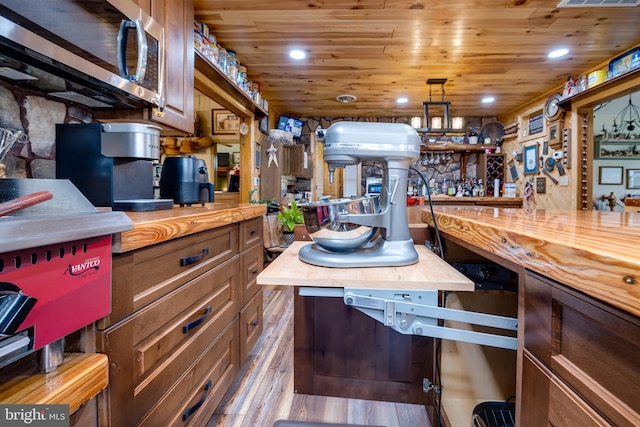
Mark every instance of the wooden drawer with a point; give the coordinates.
(550, 402)
(250, 233)
(250, 325)
(143, 276)
(251, 262)
(594, 349)
(197, 394)
(152, 349)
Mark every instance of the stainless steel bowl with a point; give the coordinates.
(322, 221)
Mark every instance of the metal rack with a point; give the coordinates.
(8, 139)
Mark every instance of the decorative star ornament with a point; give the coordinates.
(271, 151)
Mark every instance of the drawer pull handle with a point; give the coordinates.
(252, 232)
(254, 272)
(194, 408)
(254, 323)
(195, 258)
(189, 326)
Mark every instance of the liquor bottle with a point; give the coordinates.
(473, 136)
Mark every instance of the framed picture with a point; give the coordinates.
(612, 175)
(555, 133)
(263, 125)
(536, 123)
(633, 178)
(541, 185)
(224, 122)
(258, 158)
(531, 159)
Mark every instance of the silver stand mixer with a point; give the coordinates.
(396, 146)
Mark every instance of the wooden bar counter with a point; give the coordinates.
(595, 252)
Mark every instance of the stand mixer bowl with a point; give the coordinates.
(322, 221)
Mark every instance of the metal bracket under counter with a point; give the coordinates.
(417, 313)
(404, 298)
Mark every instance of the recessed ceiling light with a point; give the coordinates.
(488, 99)
(346, 98)
(402, 100)
(297, 54)
(558, 53)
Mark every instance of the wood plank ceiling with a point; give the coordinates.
(379, 50)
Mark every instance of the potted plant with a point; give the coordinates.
(288, 217)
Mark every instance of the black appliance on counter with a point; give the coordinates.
(186, 180)
(112, 164)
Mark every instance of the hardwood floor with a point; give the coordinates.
(263, 392)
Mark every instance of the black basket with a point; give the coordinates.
(494, 414)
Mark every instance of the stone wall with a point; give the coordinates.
(36, 115)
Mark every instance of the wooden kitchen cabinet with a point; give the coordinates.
(251, 262)
(176, 16)
(297, 162)
(174, 336)
(583, 357)
(342, 352)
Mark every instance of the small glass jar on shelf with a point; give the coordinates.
(232, 72)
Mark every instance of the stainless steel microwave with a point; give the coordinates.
(101, 53)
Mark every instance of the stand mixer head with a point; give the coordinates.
(396, 146)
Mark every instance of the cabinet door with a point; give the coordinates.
(547, 401)
(298, 162)
(588, 345)
(251, 325)
(176, 16)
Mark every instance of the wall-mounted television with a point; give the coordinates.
(290, 125)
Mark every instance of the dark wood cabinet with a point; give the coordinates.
(341, 352)
(589, 353)
(185, 314)
(251, 263)
(176, 16)
(297, 162)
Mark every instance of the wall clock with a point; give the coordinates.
(551, 109)
(244, 129)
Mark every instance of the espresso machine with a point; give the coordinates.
(112, 164)
(396, 146)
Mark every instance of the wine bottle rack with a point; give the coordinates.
(491, 166)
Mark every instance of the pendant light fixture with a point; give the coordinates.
(438, 124)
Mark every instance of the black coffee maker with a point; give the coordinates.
(112, 164)
(186, 181)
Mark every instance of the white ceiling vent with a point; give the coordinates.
(598, 3)
(346, 98)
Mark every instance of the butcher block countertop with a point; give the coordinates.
(594, 252)
(429, 273)
(154, 227)
(79, 378)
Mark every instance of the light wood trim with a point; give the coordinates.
(76, 381)
(429, 273)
